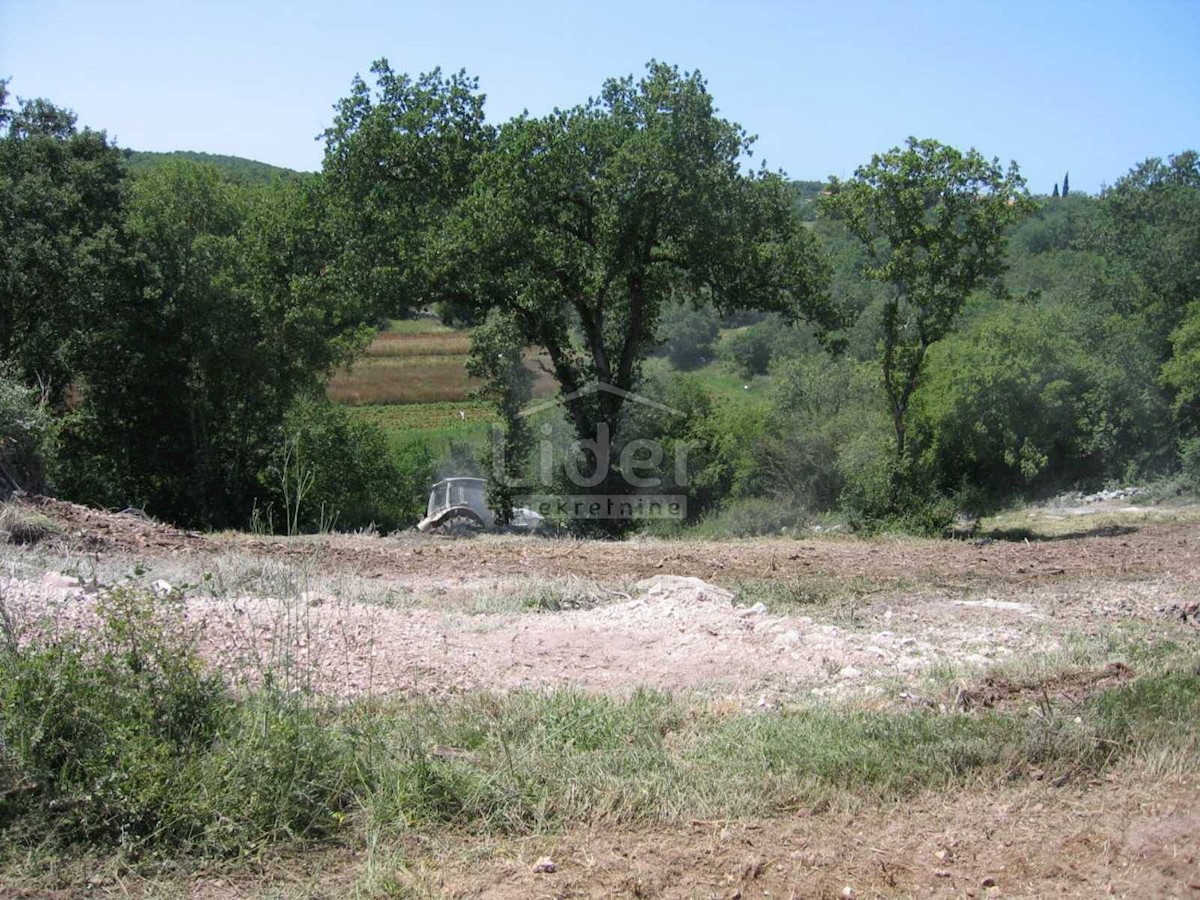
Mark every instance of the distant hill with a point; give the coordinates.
(234, 168)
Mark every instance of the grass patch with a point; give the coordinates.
(425, 379)
(127, 744)
(21, 525)
(792, 594)
(428, 416)
(420, 344)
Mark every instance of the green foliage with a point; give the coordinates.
(1150, 232)
(332, 469)
(827, 425)
(236, 169)
(98, 737)
(1182, 371)
(688, 334)
(747, 517)
(187, 388)
(583, 224)
(1013, 403)
(496, 354)
(751, 350)
(63, 261)
(128, 741)
(933, 222)
(398, 158)
(27, 438)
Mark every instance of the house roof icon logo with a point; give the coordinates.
(597, 387)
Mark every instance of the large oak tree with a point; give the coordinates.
(579, 226)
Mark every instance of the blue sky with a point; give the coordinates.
(1092, 87)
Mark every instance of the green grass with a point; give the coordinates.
(717, 379)
(435, 426)
(128, 745)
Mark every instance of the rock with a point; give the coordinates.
(988, 882)
(58, 580)
(544, 866)
(941, 873)
(758, 609)
(679, 587)
(161, 587)
(849, 893)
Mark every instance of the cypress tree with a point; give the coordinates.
(1055, 194)
(1066, 184)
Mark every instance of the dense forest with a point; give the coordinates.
(232, 168)
(923, 339)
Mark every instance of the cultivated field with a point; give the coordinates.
(826, 717)
(415, 362)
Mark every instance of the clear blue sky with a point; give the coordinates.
(1092, 87)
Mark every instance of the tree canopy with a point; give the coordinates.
(581, 225)
(933, 221)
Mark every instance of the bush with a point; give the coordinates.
(753, 517)
(26, 438)
(332, 470)
(748, 350)
(1189, 460)
(828, 426)
(688, 334)
(99, 738)
(129, 741)
(752, 350)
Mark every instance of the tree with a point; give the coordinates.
(1066, 184)
(187, 384)
(688, 334)
(61, 247)
(398, 158)
(1055, 194)
(934, 223)
(582, 225)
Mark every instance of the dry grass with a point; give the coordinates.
(404, 367)
(449, 343)
(398, 380)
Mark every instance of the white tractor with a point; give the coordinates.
(457, 504)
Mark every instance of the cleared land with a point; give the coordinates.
(899, 717)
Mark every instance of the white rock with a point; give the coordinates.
(58, 580)
(161, 587)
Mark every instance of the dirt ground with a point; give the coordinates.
(885, 622)
(1116, 838)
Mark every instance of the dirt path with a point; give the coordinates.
(1120, 837)
(1113, 551)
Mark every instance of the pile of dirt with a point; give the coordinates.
(132, 531)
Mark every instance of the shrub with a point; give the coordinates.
(26, 443)
(1189, 460)
(753, 517)
(332, 470)
(688, 334)
(748, 350)
(127, 740)
(99, 738)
